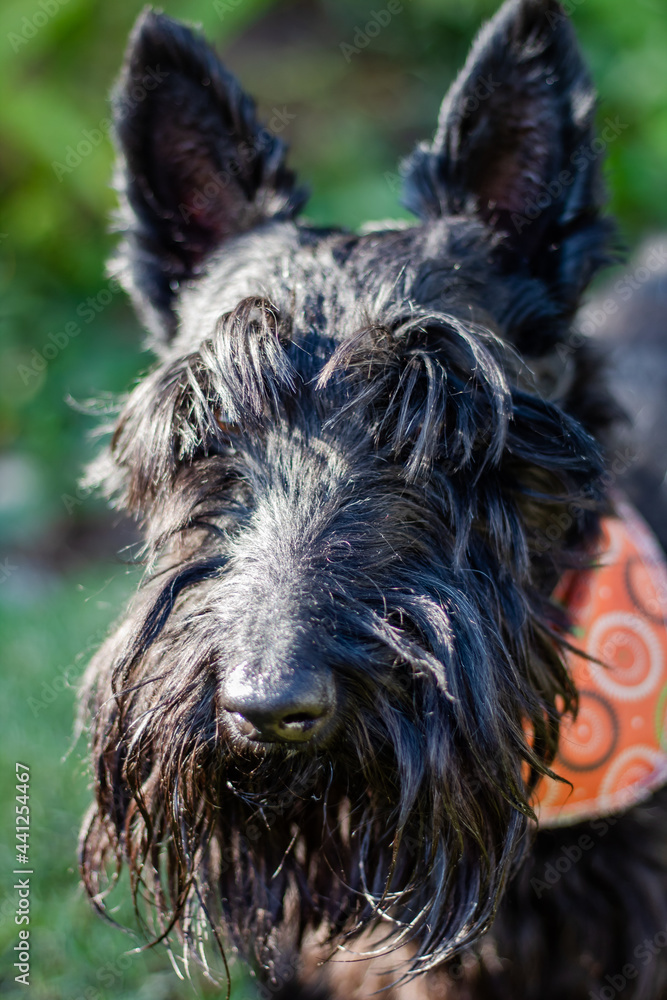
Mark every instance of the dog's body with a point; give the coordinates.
(363, 464)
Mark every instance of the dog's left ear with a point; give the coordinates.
(515, 147)
(195, 167)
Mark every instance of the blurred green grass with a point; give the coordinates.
(60, 586)
(76, 956)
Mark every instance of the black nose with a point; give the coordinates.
(280, 706)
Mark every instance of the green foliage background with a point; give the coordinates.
(354, 118)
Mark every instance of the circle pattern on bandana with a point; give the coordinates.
(592, 738)
(614, 753)
(629, 656)
(649, 598)
(631, 768)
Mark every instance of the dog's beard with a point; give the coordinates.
(413, 813)
(393, 824)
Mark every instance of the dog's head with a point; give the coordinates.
(361, 463)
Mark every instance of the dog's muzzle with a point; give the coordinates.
(279, 705)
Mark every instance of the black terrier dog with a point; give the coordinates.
(366, 467)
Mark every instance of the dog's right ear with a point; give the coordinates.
(516, 148)
(194, 166)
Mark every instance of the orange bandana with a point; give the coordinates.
(615, 752)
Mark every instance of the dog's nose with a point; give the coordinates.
(291, 708)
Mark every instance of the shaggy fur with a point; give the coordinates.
(348, 462)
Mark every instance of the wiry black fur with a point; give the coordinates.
(349, 455)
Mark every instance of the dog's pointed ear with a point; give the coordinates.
(194, 165)
(515, 144)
